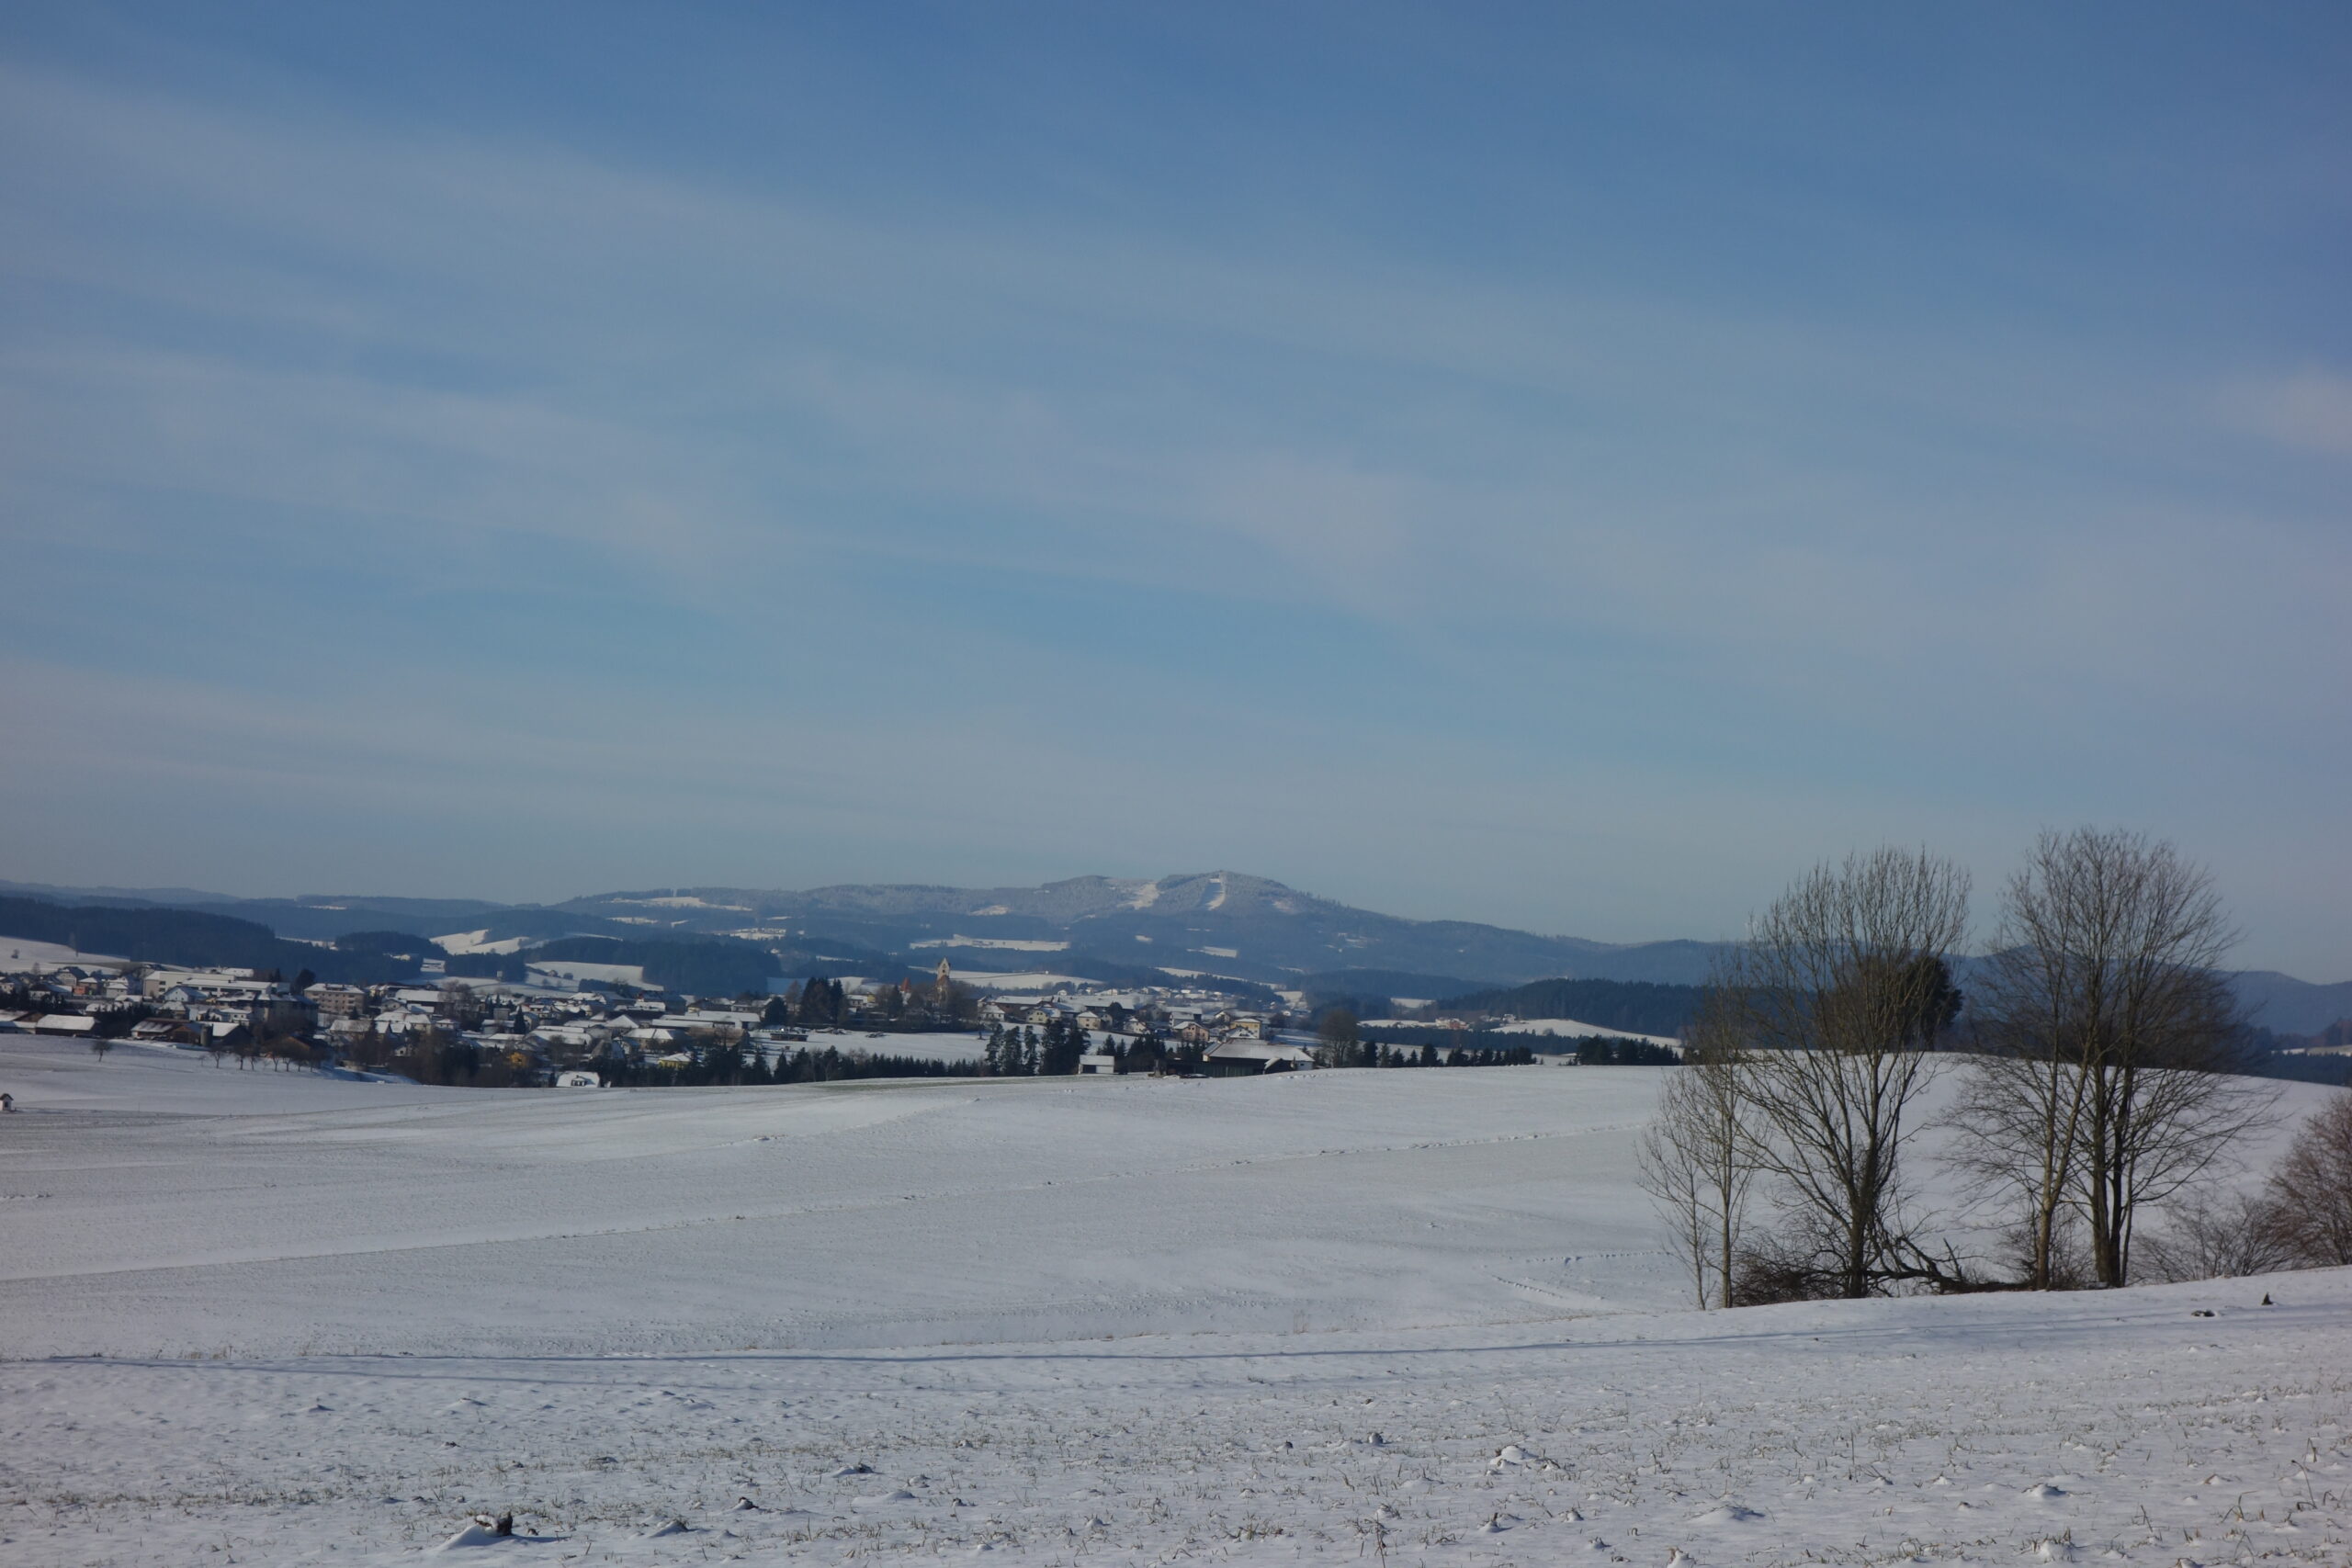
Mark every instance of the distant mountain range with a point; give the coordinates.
(1120, 930)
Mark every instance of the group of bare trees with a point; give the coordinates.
(1696, 1160)
(2096, 1054)
(2311, 1192)
(1802, 1073)
(2109, 1032)
(2302, 1218)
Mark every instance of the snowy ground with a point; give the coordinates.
(853, 1215)
(1021, 980)
(1558, 1028)
(17, 951)
(266, 1318)
(1569, 1028)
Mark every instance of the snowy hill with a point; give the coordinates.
(916, 1214)
(1226, 922)
(1407, 1314)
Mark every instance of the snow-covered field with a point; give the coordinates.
(611, 974)
(479, 942)
(1556, 1028)
(268, 1317)
(1571, 1029)
(848, 1215)
(1017, 979)
(19, 951)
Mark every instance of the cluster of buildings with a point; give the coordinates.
(154, 1005)
(237, 1010)
(1114, 1014)
(550, 1035)
(1215, 1035)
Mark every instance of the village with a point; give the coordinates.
(574, 1029)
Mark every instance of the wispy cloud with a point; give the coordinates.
(2309, 410)
(797, 448)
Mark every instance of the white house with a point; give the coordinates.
(337, 1001)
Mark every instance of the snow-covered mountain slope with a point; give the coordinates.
(1119, 931)
(1253, 927)
(1412, 1314)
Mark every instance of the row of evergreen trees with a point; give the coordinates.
(753, 1067)
(822, 1003)
(818, 1004)
(1603, 1051)
(1030, 1052)
(1372, 1054)
(1049, 1053)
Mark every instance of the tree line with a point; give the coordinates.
(1374, 1053)
(1031, 1052)
(1638, 1007)
(2098, 1082)
(186, 937)
(1339, 1043)
(751, 1066)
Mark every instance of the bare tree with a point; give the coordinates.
(1336, 1035)
(1835, 1002)
(462, 1007)
(2109, 1032)
(2020, 1111)
(2224, 1240)
(2311, 1192)
(1695, 1160)
(1670, 1169)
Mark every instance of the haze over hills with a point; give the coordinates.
(1223, 923)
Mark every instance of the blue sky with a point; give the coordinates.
(1557, 466)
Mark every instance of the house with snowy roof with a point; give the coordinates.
(1241, 1058)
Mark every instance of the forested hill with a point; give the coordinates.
(709, 966)
(190, 937)
(1641, 1006)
